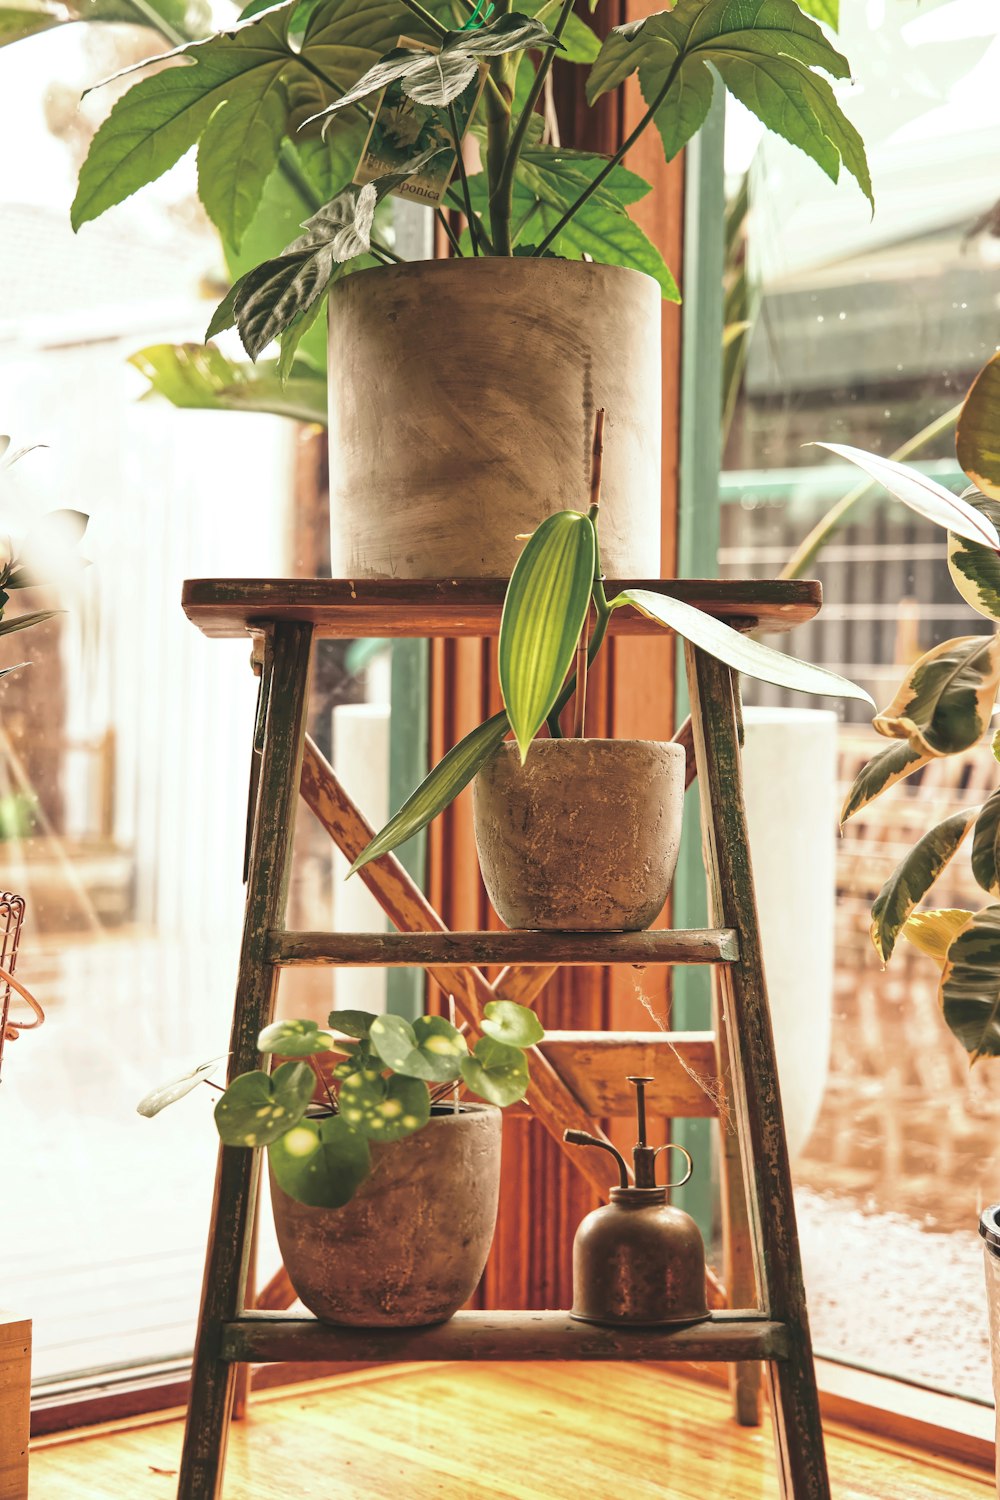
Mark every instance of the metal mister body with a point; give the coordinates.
(638, 1260)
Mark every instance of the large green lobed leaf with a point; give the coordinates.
(765, 51)
(545, 609)
(261, 79)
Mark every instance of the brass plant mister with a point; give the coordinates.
(638, 1260)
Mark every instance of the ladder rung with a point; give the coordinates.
(709, 945)
(261, 1337)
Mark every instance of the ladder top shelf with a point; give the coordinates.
(354, 608)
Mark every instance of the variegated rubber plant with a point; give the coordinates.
(556, 581)
(943, 707)
(319, 1121)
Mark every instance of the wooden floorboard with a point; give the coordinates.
(498, 1432)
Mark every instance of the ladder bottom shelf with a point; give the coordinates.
(266, 1337)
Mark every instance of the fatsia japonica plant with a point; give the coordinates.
(383, 1075)
(280, 105)
(546, 647)
(945, 706)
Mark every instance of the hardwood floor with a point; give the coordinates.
(490, 1432)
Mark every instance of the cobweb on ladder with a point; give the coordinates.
(710, 1087)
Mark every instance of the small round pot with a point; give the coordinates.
(584, 836)
(462, 401)
(411, 1245)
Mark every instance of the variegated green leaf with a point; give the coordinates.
(545, 609)
(946, 700)
(437, 78)
(497, 1072)
(294, 1038)
(883, 771)
(975, 569)
(986, 846)
(740, 652)
(977, 437)
(913, 878)
(506, 1021)
(177, 1088)
(438, 789)
(970, 985)
(384, 1109)
(934, 930)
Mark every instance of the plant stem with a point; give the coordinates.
(429, 21)
(498, 105)
(596, 470)
(383, 250)
(442, 219)
(808, 550)
(502, 194)
(613, 161)
(470, 216)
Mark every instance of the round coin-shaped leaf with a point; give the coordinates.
(384, 1109)
(259, 1107)
(351, 1022)
(394, 1041)
(321, 1162)
(356, 1060)
(294, 1039)
(496, 1072)
(506, 1021)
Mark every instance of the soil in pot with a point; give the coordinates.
(411, 1245)
(584, 836)
(462, 400)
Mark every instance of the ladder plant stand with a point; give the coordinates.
(574, 1076)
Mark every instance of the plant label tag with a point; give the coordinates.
(403, 129)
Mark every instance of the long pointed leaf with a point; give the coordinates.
(928, 498)
(438, 789)
(739, 651)
(913, 878)
(545, 609)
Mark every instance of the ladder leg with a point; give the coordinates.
(737, 1244)
(794, 1399)
(212, 1378)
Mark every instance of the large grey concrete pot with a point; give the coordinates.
(462, 401)
(584, 836)
(411, 1245)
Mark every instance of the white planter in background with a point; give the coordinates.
(361, 756)
(790, 780)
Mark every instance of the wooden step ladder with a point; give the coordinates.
(768, 1324)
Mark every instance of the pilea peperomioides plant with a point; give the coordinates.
(288, 94)
(318, 1124)
(944, 707)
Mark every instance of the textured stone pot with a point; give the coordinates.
(462, 401)
(584, 836)
(411, 1245)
